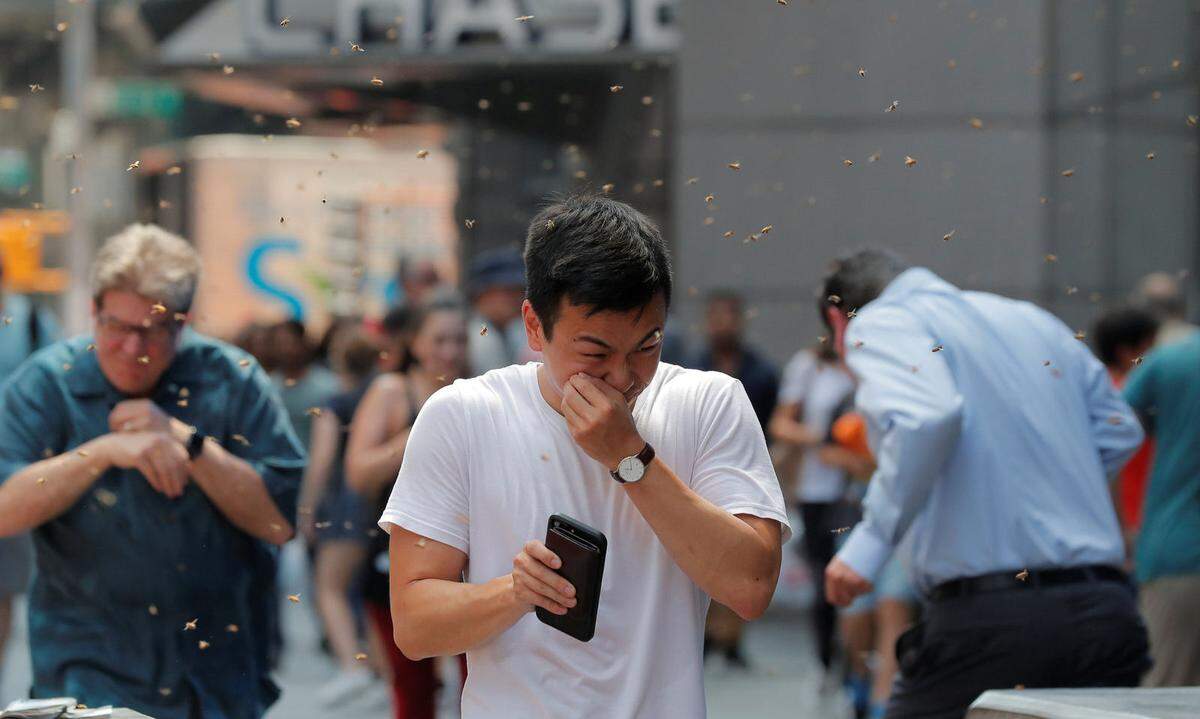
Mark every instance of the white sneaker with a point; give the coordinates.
(376, 698)
(346, 685)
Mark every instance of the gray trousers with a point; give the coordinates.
(1170, 606)
(1072, 635)
(16, 564)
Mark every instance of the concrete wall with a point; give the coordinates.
(777, 89)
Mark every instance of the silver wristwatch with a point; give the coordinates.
(632, 469)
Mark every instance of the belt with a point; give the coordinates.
(1025, 579)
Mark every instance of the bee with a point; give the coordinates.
(1069, 172)
(190, 626)
(946, 237)
(287, 20)
(909, 161)
(133, 165)
(735, 165)
(376, 81)
(422, 154)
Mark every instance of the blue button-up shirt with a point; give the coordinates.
(993, 451)
(121, 572)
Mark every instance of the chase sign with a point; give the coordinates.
(270, 30)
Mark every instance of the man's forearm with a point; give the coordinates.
(43, 490)
(723, 555)
(239, 493)
(437, 617)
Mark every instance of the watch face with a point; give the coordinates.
(631, 469)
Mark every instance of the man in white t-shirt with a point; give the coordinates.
(694, 512)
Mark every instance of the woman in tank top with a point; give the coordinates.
(374, 453)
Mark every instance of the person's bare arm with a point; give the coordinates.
(735, 559)
(784, 428)
(372, 457)
(859, 468)
(435, 613)
(230, 482)
(322, 454)
(237, 490)
(43, 490)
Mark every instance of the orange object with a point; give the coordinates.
(21, 242)
(850, 431)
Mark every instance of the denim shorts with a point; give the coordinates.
(892, 583)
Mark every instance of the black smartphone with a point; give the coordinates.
(581, 549)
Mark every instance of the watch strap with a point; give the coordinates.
(195, 444)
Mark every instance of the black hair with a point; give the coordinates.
(354, 352)
(395, 319)
(596, 252)
(854, 280)
(293, 327)
(1123, 326)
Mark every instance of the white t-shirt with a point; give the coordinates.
(488, 461)
(820, 387)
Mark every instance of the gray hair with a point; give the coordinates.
(151, 262)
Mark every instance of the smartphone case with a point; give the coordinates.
(581, 549)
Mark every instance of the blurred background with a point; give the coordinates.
(316, 151)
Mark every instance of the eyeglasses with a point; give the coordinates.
(148, 331)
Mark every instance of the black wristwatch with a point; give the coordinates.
(195, 444)
(632, 469)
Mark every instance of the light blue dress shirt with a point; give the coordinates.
(994, 450)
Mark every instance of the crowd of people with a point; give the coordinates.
(945, 451)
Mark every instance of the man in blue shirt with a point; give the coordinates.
(995, 432)
(157, 470)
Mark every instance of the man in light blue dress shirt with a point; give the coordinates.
(996, 431)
